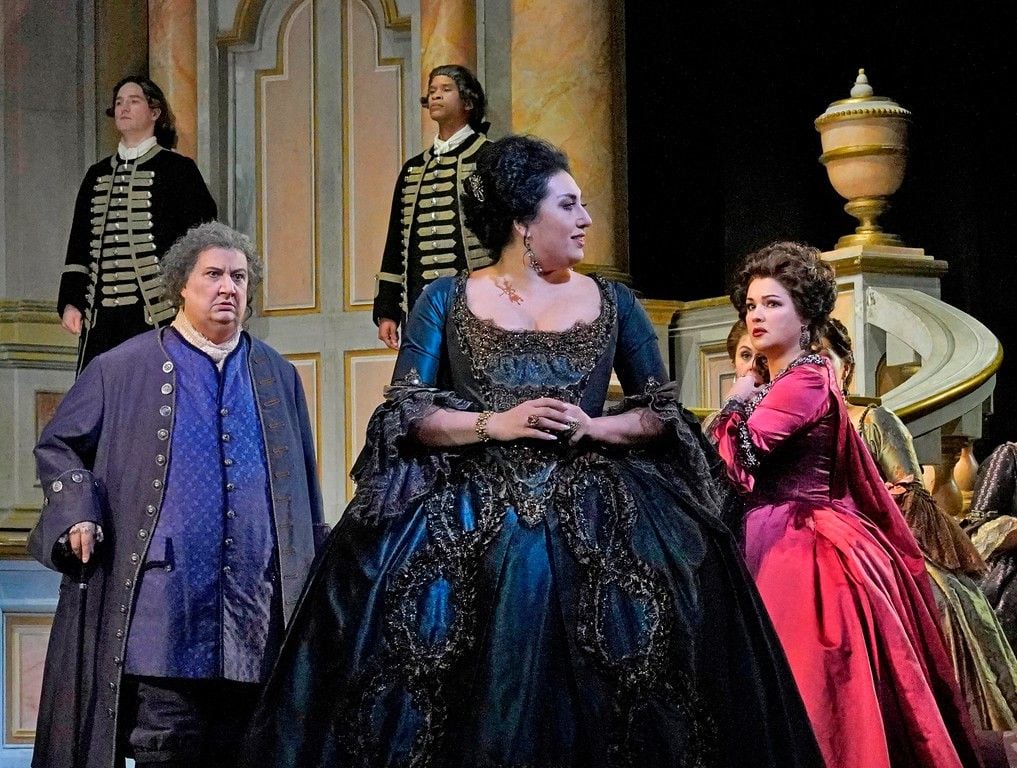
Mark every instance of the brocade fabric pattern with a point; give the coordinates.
(531, 604)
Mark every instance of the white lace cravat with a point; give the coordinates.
(444, 146)
(218, 352)
(133, 153)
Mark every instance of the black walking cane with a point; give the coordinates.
(84, 572)
(79, 654)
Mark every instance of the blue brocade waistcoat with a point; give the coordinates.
(206, 603)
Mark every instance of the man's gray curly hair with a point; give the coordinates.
(179, 261)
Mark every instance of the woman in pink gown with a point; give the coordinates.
(837, 567)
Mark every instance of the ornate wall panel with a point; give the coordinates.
(716, 374)
(285, 147)
(28, 596)
(318, 91)
(366, 373)
(372, 148)
(308, 365)
(26, 636)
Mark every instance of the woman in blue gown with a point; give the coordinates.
(520, 579)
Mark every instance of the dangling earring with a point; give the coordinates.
(531, 257)
(806, 338)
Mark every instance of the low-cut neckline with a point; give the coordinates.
(576, 324)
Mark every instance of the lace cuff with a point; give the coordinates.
(660, 399)
(393, 470)
(748, 453)
(687, 451)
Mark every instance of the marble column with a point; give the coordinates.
(567, 86)
(121, 49)
(172, 60)
(448, 35)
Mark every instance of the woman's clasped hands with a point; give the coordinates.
(543, 418)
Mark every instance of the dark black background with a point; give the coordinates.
(723, 153)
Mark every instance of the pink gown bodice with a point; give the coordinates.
(842, 578)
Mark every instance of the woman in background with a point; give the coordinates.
(983, 660)
(740, 350)
(745, 360)
(837, 567)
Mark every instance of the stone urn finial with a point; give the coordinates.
(864, 141)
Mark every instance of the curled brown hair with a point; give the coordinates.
(738, 330)
(836, 336)
(803, 273)
(178, 262)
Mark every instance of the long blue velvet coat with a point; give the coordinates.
(104, 458)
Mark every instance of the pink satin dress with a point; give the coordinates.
(843, 579)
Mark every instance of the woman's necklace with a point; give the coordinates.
(805, 357)
(505, 288)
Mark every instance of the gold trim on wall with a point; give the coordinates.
(349, 356)
(14, 543)
(248, 14)
(706, 351)
(31, 336)
(716, 301)
(245, 23)
(259, 202)
(347, 169)
(700, 413)
(393, 20)
(14, 731)
(660, 311)
(887, 265)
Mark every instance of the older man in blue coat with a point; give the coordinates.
(182, 505)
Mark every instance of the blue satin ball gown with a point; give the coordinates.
(525, 604)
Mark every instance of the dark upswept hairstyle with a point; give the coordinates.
(836, 336)
(470, 91)
(738, 330)
(166, 123)
(508, 186)
(178, 262)
(805, 276)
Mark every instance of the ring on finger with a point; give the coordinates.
(532, 420)
(570, 430)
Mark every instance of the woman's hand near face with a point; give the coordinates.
(744, 387)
